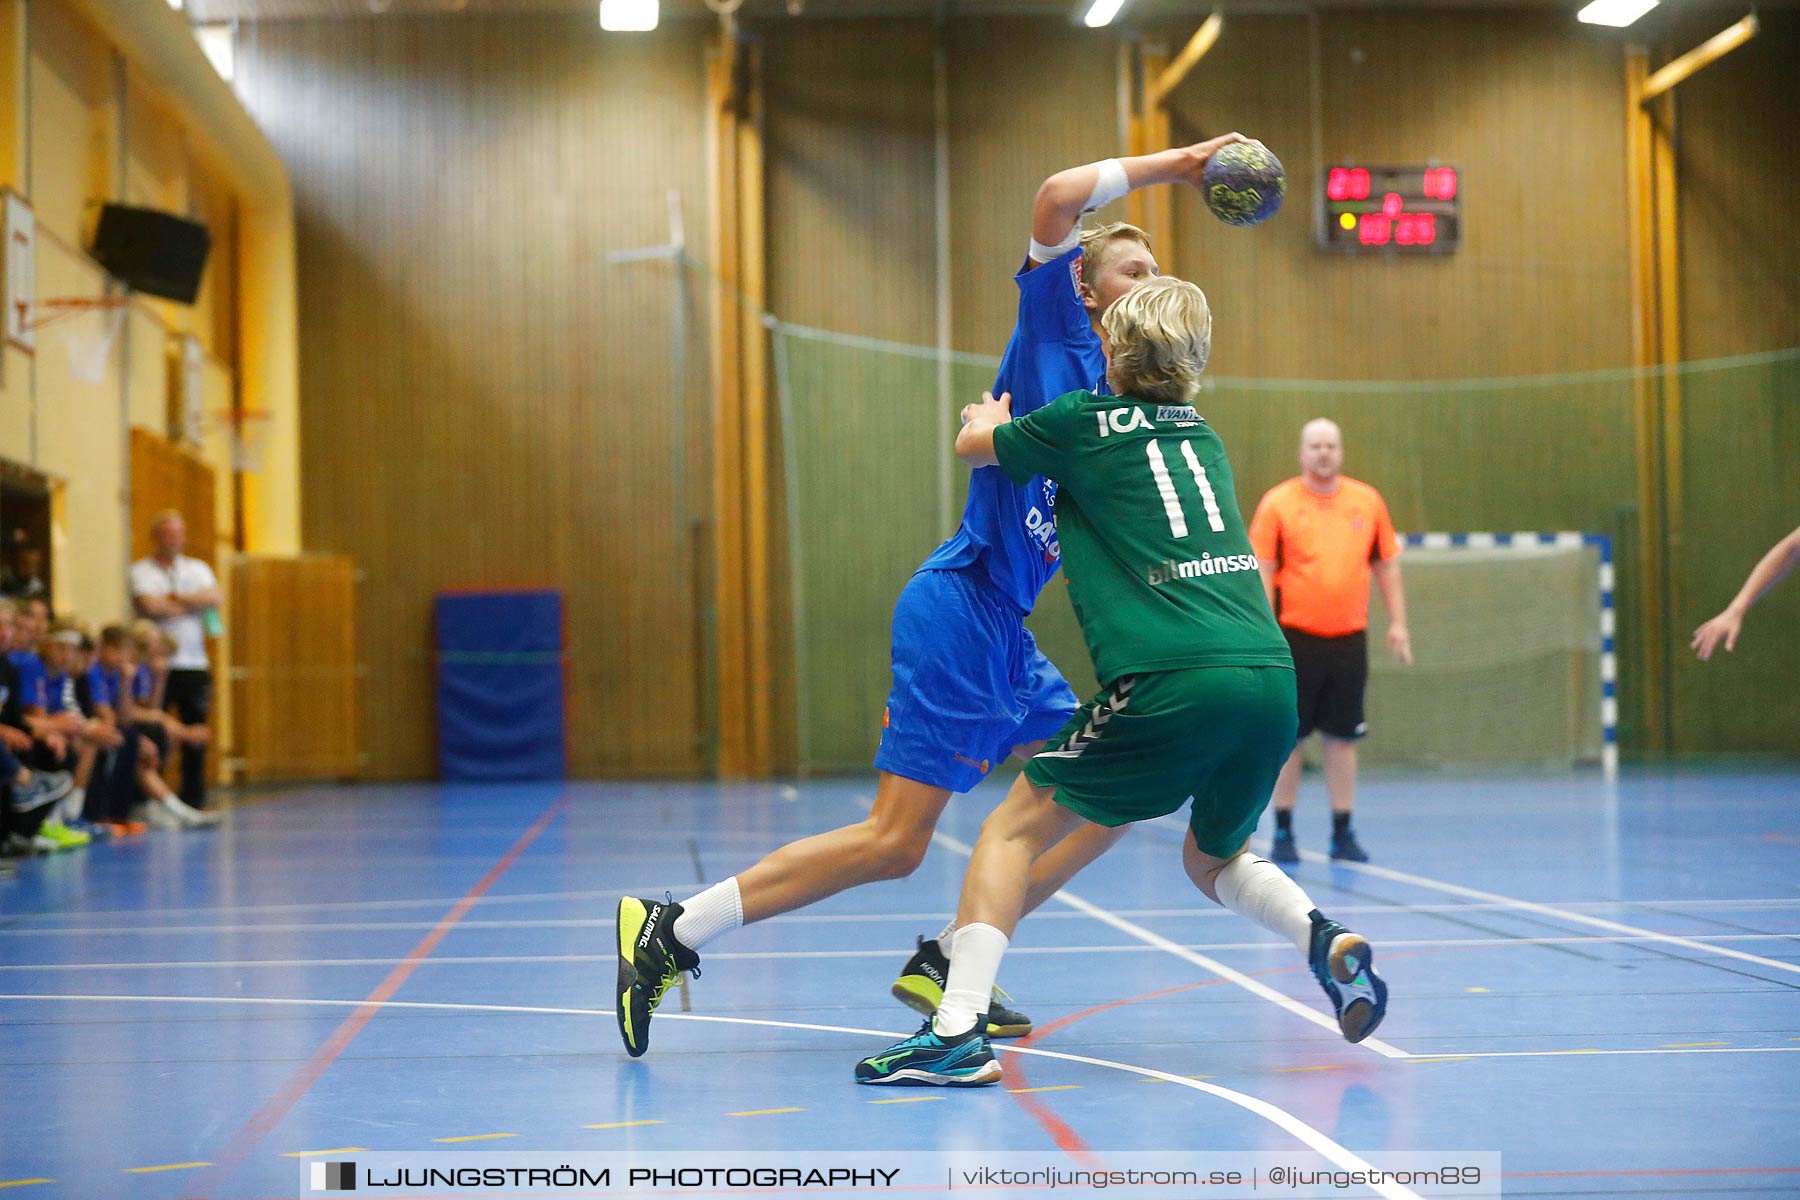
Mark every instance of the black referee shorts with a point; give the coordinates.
(1330, 675)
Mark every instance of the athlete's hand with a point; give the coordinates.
(1199, 152)
(1724, 626)
(1400, 643)
(994, 412)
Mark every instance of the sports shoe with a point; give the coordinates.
(46, 787)
(154, 815)
(650, 961)
(921, 988)
(927, 1060)
(1283, 849)
(1344, 964)
(1348, 849)
(96, 831)
(61, 836)
(189, 817)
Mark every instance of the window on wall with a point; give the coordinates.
(219, 40)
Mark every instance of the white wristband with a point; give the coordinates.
(1109, 186)
(1043, 254)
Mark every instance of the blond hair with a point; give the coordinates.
(163, 518)
(1161, 334)
(1095, 241)
(148, 636)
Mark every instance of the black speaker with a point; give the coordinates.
(151, 251)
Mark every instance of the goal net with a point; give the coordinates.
(1512, 642)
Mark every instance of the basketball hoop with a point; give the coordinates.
(61, 308)
(89, 348)
(249, 431)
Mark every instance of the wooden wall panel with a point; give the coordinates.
(1526, 108)
(485, 400)
(851, 237)
(1028, 97)
(1738, 164)
(294, 675)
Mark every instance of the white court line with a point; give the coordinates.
(1254, 986)
(1588, 1053)
(764, 955)
(609, 894)
(1336, 1154)
(1548, 910)
(1670, 907)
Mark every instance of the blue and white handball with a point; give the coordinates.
(1244, 183)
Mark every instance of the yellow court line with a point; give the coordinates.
(316, 1153)
(907, 1100)
(1445, 1058)
(1478, 989)
(1291, 1070)
(6, 1183)
(1058, 1087)
(169, 1167)
(621, 1124)
(1691, 1045)
(764, 1112)
(476, 1137)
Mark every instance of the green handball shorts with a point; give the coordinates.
(1146, 745)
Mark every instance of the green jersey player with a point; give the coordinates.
(1197, 698)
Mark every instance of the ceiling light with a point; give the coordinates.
(1617, 13)
(1101, 12)
(628, 16)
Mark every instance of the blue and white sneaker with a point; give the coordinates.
(927, 1060)
(1344, 964)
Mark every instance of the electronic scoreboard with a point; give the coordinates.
(1392, 210)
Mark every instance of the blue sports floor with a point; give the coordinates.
(1603, 984)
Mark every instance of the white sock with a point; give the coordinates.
(71, 806)
(717, 909)
(974, 965)
(1258, 889)
(944, 936)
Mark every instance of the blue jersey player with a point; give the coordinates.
(969, 684)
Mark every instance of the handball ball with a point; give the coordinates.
(1243, 183)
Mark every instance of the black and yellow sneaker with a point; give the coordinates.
(650, 961)
(921, 988)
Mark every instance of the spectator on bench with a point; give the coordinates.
(26, 795)
(135, 793)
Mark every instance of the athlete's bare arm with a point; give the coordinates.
(975, 441)
(1063, 197)
(1782, 557)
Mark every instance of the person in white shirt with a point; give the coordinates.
(180, 593)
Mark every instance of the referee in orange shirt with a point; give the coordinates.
(1318, 537)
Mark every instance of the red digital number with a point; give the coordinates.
(1440, 183)
(1391, 205)
(1337, 184)
(1415, 229)
(1374, 229)
(1357, 186)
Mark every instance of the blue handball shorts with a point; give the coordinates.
(969, 683)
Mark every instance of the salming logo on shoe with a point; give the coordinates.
(649, 927)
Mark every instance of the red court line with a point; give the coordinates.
(271, 1114)
(1059, 1130)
